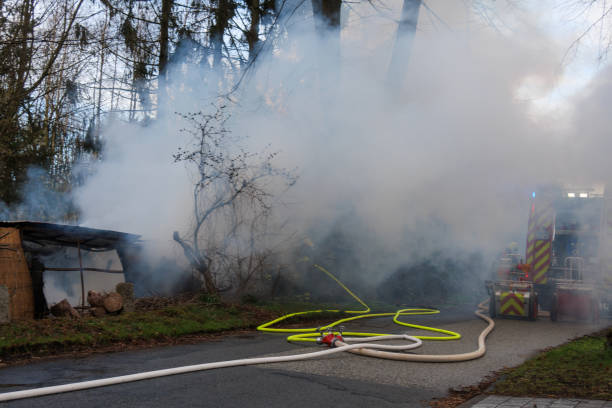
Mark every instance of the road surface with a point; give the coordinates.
(341, 380)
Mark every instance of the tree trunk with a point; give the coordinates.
(209, 282)
(406, 30)
(164, 39)
(326, 14)
(253, 33)
(223, 13)
(112, 101)
(101, 73)
(199, 263)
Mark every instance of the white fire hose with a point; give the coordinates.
(38, 392)
(363, 348)
(438, 358)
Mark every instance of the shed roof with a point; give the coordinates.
(71, 235)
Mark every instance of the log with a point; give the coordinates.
(113, 302)
(98, 311)
(95, 299)
(126, 290)
(64, 309)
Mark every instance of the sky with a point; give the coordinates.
(565, 23)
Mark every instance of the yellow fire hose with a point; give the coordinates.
(364, 347)
(310, 334)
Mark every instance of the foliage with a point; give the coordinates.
(439, 279)
(65, 65)
(38, 93)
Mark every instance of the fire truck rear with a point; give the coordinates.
(567, 269)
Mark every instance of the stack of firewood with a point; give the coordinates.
(122, 300)
(103, 303)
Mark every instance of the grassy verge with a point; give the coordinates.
(581, 369)
(20, 340)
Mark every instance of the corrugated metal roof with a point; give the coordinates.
(71, 235)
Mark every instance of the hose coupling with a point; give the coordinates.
(336, 339)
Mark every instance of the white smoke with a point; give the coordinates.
(445, 157)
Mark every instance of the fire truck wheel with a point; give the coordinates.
(533, 308)
(554, 306)
(595, 311)
(492, 312)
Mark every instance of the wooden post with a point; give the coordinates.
(81, 270)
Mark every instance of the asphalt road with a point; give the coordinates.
(340, 380)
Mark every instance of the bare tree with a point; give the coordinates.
(231, 196)
(597, 16)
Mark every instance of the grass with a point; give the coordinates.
(580, 369)
(43, 337)
(158, 322)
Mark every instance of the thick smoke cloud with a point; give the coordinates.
(40, 201)
(589, 141)
(442, 160)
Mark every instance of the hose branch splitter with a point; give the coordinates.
(331, 337)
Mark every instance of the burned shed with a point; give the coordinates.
(41, 260)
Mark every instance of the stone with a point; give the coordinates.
(126, 290)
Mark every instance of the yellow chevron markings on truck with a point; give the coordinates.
(543, 249)
(540, 276)
(545, 218)
(512, 304)
(541, 262)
